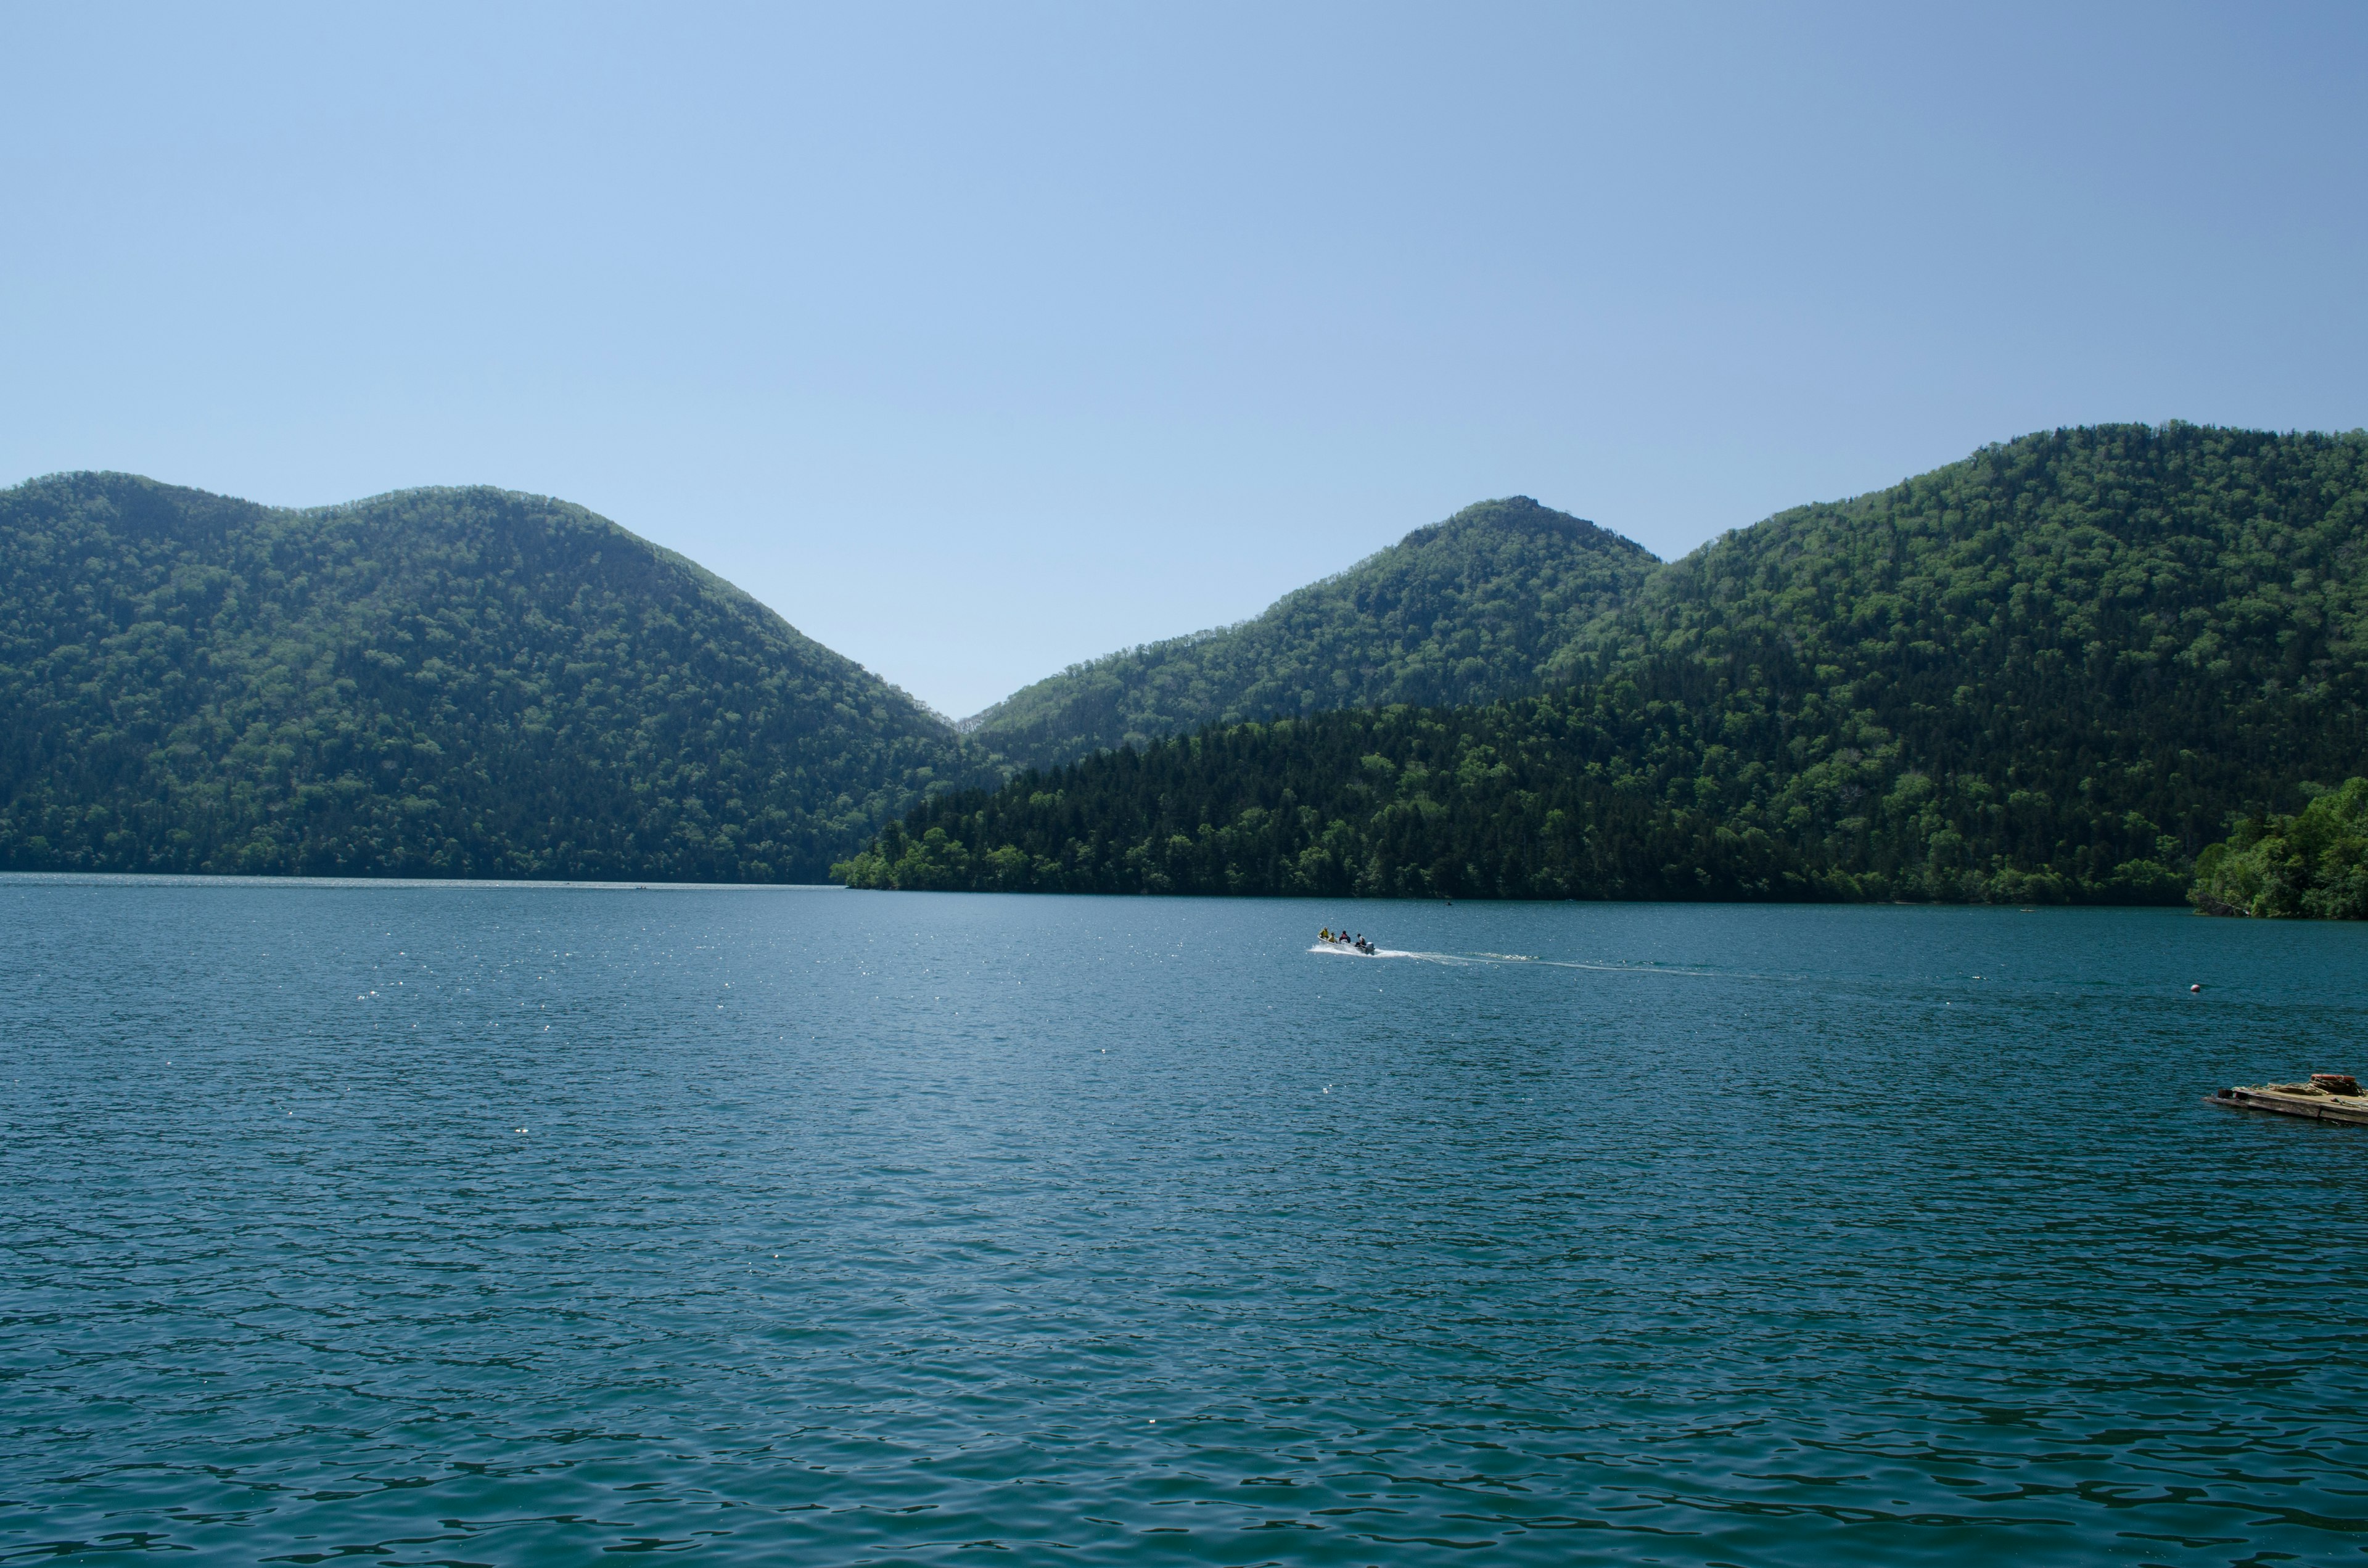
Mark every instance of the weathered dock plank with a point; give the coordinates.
(2284, 1101)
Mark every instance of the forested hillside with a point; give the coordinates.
(1458, 612)
(2311, 864)
(2054, 670)
(438, 682)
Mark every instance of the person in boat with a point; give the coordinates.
(1325, 935)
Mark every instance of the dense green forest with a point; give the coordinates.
(2060, 669)
(2054, 670)
(1458, 612)
(2312, 863)
(438, 682)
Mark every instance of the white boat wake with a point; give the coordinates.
(1339, 951)
(1468, 960)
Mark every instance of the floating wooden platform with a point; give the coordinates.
(2293, 1099)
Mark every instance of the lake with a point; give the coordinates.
(505, 1224)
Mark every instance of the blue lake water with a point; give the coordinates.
(438, 1224)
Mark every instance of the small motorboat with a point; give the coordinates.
(2328, 1096)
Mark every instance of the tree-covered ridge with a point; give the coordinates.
(2231, 550)
(2050, 671)
(1458, 612)
(2311, 864)
(436, 682)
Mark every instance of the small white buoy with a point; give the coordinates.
(2194, 988)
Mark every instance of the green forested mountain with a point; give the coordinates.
(438, 682)
(1462, 611)
(2052, 670)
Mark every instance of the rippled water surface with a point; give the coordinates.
(507, 1225)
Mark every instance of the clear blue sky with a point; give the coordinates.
(979, 339)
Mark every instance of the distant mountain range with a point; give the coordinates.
(2052, 670)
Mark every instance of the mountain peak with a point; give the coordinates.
(1525, 514)
(1466, 609)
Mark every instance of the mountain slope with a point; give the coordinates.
(1460, 611)
(436, 682)
(2052, 670)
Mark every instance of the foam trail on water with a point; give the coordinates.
(1485, 958)
(1398, 953)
